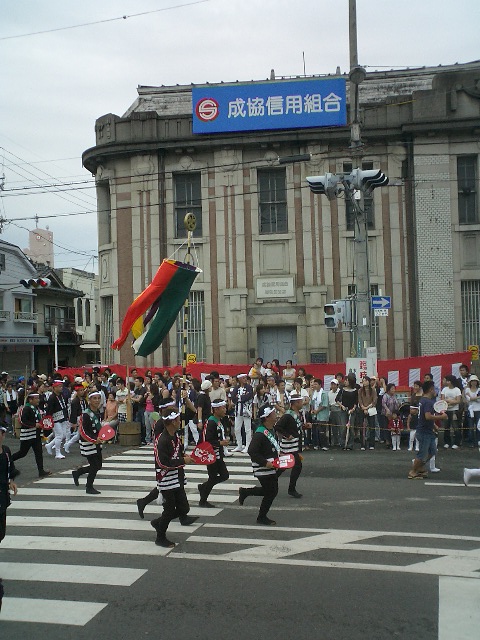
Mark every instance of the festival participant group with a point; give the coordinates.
(269, 413)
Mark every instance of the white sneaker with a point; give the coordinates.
(398, 449)
(454, 446)
(227, 453)
(59, 457)
(66, 449)
(446, 446)
(49, 448)
(434, 470)
(245, 450)
(237, 449)
(466, 477)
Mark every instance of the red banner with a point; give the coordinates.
(403, 371)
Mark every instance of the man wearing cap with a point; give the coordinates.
(7, 473)
(77, 407)
(242, 398)
(166, 408)
(336, 414)
(170, 461)
(30, 433)
(263, 449)
(90, 443)
(57, 408)
(204, 405)
(214, 434)
(291, 442)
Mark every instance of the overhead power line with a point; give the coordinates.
(89, 24)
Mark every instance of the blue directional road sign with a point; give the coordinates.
(381, 302)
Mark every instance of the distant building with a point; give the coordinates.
(40, 247)
(272, 253)
(18, 317)
(86, 311)
(56, 320)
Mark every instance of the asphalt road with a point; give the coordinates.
(366, 553)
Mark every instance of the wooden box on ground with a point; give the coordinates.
(129, 434)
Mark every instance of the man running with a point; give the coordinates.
(213, 433)
(31, 433)
(263, 449)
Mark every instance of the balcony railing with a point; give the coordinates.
(4, 315)
(62, 325)
(25, 316)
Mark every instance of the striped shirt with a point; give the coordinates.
(29, 417)
(263, 448)
(295, 444)
(169, 462)
(89, 425)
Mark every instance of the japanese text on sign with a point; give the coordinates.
(269, 105)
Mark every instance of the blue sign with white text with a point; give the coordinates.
(257, 106)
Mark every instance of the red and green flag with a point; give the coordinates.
(161, 301)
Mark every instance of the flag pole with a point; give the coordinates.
(190, 223)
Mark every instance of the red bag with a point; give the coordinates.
(286, 461)
(203, 453)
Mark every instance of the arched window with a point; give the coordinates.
(79, 312)
(87, 313)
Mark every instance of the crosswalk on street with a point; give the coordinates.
(60, 536)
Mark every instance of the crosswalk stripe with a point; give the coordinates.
(144, 460)
(451, 484)
(80, 505)
(85, 545)
(458, 612)
(66, 522)
(119, 495)
(151, 467)
(144, 484)
(49, 611)
(72, 573)
(150, 473)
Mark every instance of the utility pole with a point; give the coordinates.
(362, 277)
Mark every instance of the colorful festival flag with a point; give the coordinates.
(167, 292)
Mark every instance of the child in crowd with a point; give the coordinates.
(395, 428)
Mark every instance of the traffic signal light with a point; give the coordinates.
(325, 185)
(337, 314)
(367, 180)
(35, 283)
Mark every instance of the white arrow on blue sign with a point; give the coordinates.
(381, 302)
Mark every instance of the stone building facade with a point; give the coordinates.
(272, 253)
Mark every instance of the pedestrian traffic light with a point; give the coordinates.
(337, 314)
(327, 185)
(367, 180)
(36, 283)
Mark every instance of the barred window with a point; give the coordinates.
(106, 303)
(470, 312)
(367, 201)
(87, 313)
(467, 189)
(196, 327)
(79, 312)
(188, 199)
(272, 201)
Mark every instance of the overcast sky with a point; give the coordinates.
(55, 85)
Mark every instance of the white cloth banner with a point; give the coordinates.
(394, 376)
(437, 377)
(413, 374)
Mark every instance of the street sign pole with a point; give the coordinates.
(362, 276)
